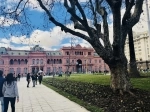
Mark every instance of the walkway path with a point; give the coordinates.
(43, 99)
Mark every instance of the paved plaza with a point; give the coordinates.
(43, 99)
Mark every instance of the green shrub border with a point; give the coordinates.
(86, 105)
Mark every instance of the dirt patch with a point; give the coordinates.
(125, 103)
(103, 96)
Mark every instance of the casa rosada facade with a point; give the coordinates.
(78, 59)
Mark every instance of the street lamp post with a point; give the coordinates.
(86, 64)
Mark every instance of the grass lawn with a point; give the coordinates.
(141, 83)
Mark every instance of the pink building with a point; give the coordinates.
(78, 59)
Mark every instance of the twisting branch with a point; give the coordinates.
(94, 12)
(84, 23)
(51, 18)
(103, 13)
(136, 15)
(72, 11)
(96, 24)
(16, 7)
(129, 4)
(76, 18)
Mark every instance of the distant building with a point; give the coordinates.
(142, 49)
(78, 59)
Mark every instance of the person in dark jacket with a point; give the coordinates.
(2, 79)
(36, 78)
(33, 79)
(18, 77)
(40, 77)
(28, 79)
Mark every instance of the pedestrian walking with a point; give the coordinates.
(36, 78)
(40, 77)
(28, 79)
(14, 76)
(2, 79)
(10, 92)
(18, 77)
(33, 79)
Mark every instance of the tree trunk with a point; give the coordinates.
(133, 72)
(119, 78)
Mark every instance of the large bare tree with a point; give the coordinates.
(113, 54)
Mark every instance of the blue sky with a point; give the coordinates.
(42, 31)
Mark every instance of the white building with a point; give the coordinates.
(142, 49)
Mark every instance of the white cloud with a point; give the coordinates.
(46, 39)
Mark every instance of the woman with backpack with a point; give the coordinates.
(10, 92)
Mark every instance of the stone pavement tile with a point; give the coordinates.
(43, 99)
(18, 110)
(46, 108)
(59, 111)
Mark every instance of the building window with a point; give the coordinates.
(67, 53)
(67, 60)
(72, 61)
(25, 70)
(48, 70)
(95, 61)
(99, 61)
(12, 53)
(19, 53)
(33, 61)
(41, 61)
(37, 61)
(25, 53)
(18, 71)
(1, 62)
(11, 70)
(89, 53)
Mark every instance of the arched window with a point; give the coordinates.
(51, 61)
(48, 61)
(54, 61)
(11, 62)
(60, 61)
(57, 61)
(26, 61)
(19, 61)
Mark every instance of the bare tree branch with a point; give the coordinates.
(129, 4)
(51, 18)
(136, 15)
(103, 13)
(75, 19)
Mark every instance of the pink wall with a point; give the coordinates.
(81, 60)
